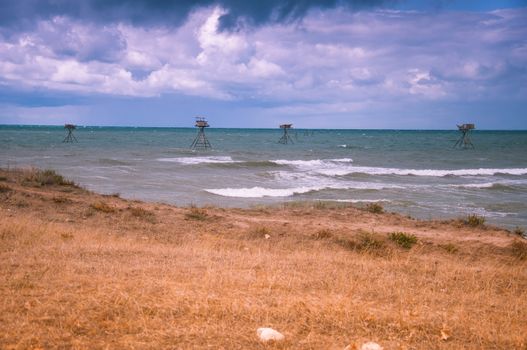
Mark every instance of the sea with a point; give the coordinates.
(412, 172)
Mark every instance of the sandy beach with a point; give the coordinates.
(84, 270)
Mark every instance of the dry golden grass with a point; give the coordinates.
(199, 214)
(102, 207)
(115, 280)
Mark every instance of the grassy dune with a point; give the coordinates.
(83, 270)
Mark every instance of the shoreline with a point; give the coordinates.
(81, 269)
(490, 221)
(418, 174)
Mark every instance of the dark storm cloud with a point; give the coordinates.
(67, 40)
(261, 12)
(18, 15)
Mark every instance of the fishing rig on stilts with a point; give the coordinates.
(201, 142)
(70, 137)
(464, 141)
(285, 139)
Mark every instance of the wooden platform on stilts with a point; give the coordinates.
(201, 141)
(70, 137)
(465, 141)
(285, 139)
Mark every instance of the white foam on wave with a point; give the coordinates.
(295, 176)
(354, 200)
(344, 166)
(259, 192)
(312, 163)
(481, 185)
(199, 160)
(420, 172)
(492, 184)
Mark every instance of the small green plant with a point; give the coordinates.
(375, 208)
(519, 249)
(197, 214)
(403, 239)
(368, 242)
(474, 220)
(102, 207)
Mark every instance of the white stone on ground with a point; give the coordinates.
(266, 334)
(370, 346)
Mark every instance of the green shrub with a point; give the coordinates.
(47, 177)
(363, 242)
(375, 208)
(474, 220)
(403, 239)
(369, 242)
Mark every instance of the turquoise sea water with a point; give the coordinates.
(411, 172)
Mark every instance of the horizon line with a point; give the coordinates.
(255, 128)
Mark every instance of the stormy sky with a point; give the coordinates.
(315, 63)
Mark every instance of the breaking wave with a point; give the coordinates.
(421, 172)
(259, 192)
(199, 160)
(355, 200)
(501, 185)
(312, 163)
(344, 166)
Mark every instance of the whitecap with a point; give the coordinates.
(354, 200)
(503, 183)
(259, 192)
(199, 160)
(343, 166)
(312, 163)
(420, 172)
